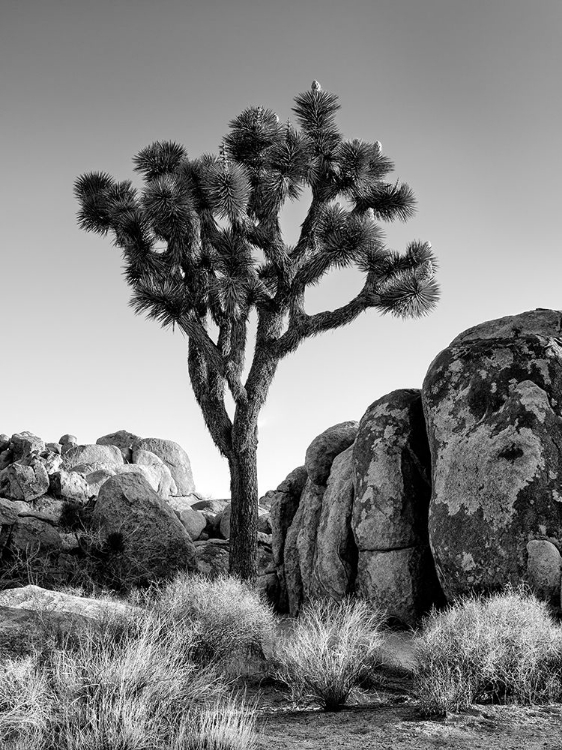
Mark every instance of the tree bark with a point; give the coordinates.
(244, 510)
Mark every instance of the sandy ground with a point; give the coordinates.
(386, 718)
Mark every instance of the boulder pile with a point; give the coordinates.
(440, 492)
(122, 511)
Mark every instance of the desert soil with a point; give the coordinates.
(386, 717)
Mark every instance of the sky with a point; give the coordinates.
(464, 97)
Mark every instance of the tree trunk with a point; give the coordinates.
(244, 510)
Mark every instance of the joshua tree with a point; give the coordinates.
(203, 248)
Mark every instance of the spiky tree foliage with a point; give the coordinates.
(203, 248)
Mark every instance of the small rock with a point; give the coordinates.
(71, 440)
(52, 462)
(193, 520)
(122, 439)
(544, 569)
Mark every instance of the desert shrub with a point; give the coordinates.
(24, 703)
(134, 679)
(127, 682)
(226, 725)
(330, 650)
(225, 617)
(505, 648)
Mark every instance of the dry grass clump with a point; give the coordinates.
(330, 650)
(226, 618)
(227, 725)
(505, 649)
(129, 682)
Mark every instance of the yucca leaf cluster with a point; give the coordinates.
(201, 239)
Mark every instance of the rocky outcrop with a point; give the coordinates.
(142, 536)
(392, 489)
(493, 405)
(47, 501)
(365, 530)
(299, 550)
(453, 491)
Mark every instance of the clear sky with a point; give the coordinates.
(463, 94)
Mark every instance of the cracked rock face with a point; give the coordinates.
(335, 557)
(493, 407)
(391, 464)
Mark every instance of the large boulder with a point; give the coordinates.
(166, 484)
(295, 573)
(311, 505)
(335, 558)
(151, 475)
(143, 536)
(284, 502)
(493, 406)
(102, 455)
(45, 508)
(31, 536)
(23, 444)
(324, 448)
(392, 489)
(175, 458)
(69, 485)
(289, 573)
(96, 478)
(8, 512)
(24, 481)
(122, 439)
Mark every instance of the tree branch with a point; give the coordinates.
(303, 326)
(208, 387)
(194, 329)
